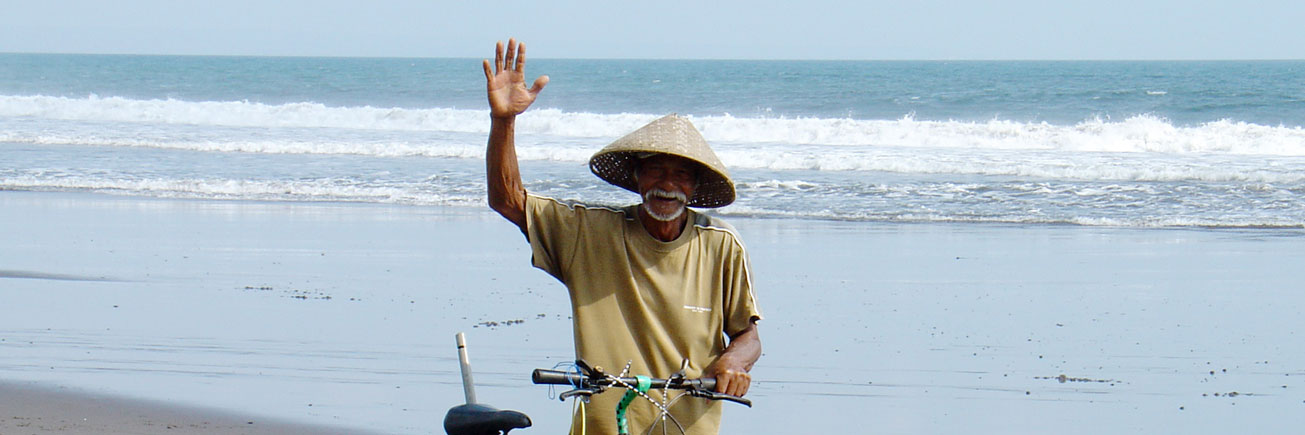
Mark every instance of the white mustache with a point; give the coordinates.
(663, 194)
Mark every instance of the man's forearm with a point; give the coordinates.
(744, 348)
(506, 195)
(731, 369)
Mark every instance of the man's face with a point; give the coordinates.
(666, 183)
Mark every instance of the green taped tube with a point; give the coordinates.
(622, 423)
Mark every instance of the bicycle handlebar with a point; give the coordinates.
(589, 384)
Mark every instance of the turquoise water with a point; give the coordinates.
(1185, 93)
(1088, 143)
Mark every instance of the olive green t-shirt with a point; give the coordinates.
(639, 300)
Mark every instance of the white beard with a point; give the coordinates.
(661, 217)
(679, 196)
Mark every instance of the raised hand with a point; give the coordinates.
(506, 82)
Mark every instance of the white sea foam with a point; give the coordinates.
(1143, 133)
(1019, 202)
(126, 137)
(1141, 221)
(278, 190)
(238, 113)
(1141, 148)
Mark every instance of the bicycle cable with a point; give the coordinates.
(570, 367)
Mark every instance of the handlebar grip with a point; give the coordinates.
(735, 399)
(708, 388)
(556, 377)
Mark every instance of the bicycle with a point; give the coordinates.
(585, 380)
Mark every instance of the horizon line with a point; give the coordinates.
(708, 59)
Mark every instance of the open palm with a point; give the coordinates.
(506, 82)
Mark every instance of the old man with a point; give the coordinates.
(652, 285)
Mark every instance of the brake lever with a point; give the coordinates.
(587, 393)
(720, 396)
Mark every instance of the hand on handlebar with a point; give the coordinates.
(731, 378)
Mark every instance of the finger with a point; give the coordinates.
(521, 58)
(539, 85)
(511, 52)
(722, 382)
(489, 75)
(741, 386)
(498, 57)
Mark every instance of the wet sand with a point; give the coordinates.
(343, 315)
(36, 409)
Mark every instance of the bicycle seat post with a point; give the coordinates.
(468, 388)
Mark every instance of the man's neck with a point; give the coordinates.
(663, 230)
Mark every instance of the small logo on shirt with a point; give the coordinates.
(697, 309)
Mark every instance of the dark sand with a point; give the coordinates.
(30, 408)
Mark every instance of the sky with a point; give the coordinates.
(724, 29)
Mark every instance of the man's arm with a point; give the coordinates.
(731, 369)
(506, 195)
(508, 97)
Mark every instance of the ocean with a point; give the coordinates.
(1093, 143)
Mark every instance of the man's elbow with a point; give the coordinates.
(512, 210)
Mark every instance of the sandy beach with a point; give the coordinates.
(200, 316)
(31, 408)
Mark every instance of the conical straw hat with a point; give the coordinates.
(674, 135)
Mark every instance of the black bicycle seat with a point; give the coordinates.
(479, 419)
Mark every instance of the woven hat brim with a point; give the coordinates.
(617, 167)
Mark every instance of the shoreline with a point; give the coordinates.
(38, 408)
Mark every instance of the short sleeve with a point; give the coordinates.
(741, 309)
(552, 228)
